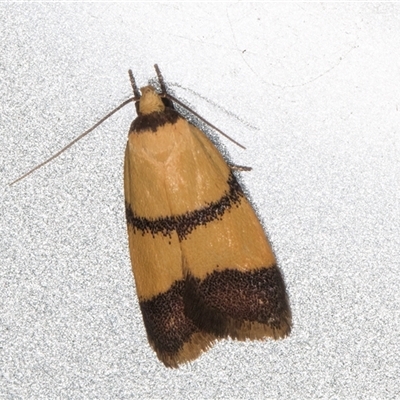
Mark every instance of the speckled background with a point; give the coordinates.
(312, 90)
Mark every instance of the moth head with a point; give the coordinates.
(150, 101)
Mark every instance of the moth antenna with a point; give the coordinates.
(161, 80)
(75, 140)
(172, 98)
(134, 86)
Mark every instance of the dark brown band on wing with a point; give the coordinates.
(224, 300)
(153, 121)
(184, 224)
(167, 326)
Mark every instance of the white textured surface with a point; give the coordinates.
(314, 92)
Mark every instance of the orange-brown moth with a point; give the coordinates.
(203, 266)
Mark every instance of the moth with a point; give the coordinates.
(203, 266)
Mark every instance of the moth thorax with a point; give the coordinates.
(150, 101)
